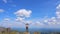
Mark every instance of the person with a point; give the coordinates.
(27, 27)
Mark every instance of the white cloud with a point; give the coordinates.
(45, 20)
(58, 14)
(1, 10)
(58, 11)
(53, 19)
(11, 24)
(7, 22)
(58, 6)
(23, 13)
(19, 19)
(38, 23)
(6, 19)
(23, 21)
(5, 1)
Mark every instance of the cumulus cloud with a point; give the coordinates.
(19, 19)
(1, 10)
(23, 21)
(58, 12)
(58, 6)
(8, 23)
(54, 20)
(51, 21)
(5, 1)
(23, 13)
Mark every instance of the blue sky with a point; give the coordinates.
(40, 10)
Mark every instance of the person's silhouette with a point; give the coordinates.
(27, 26)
